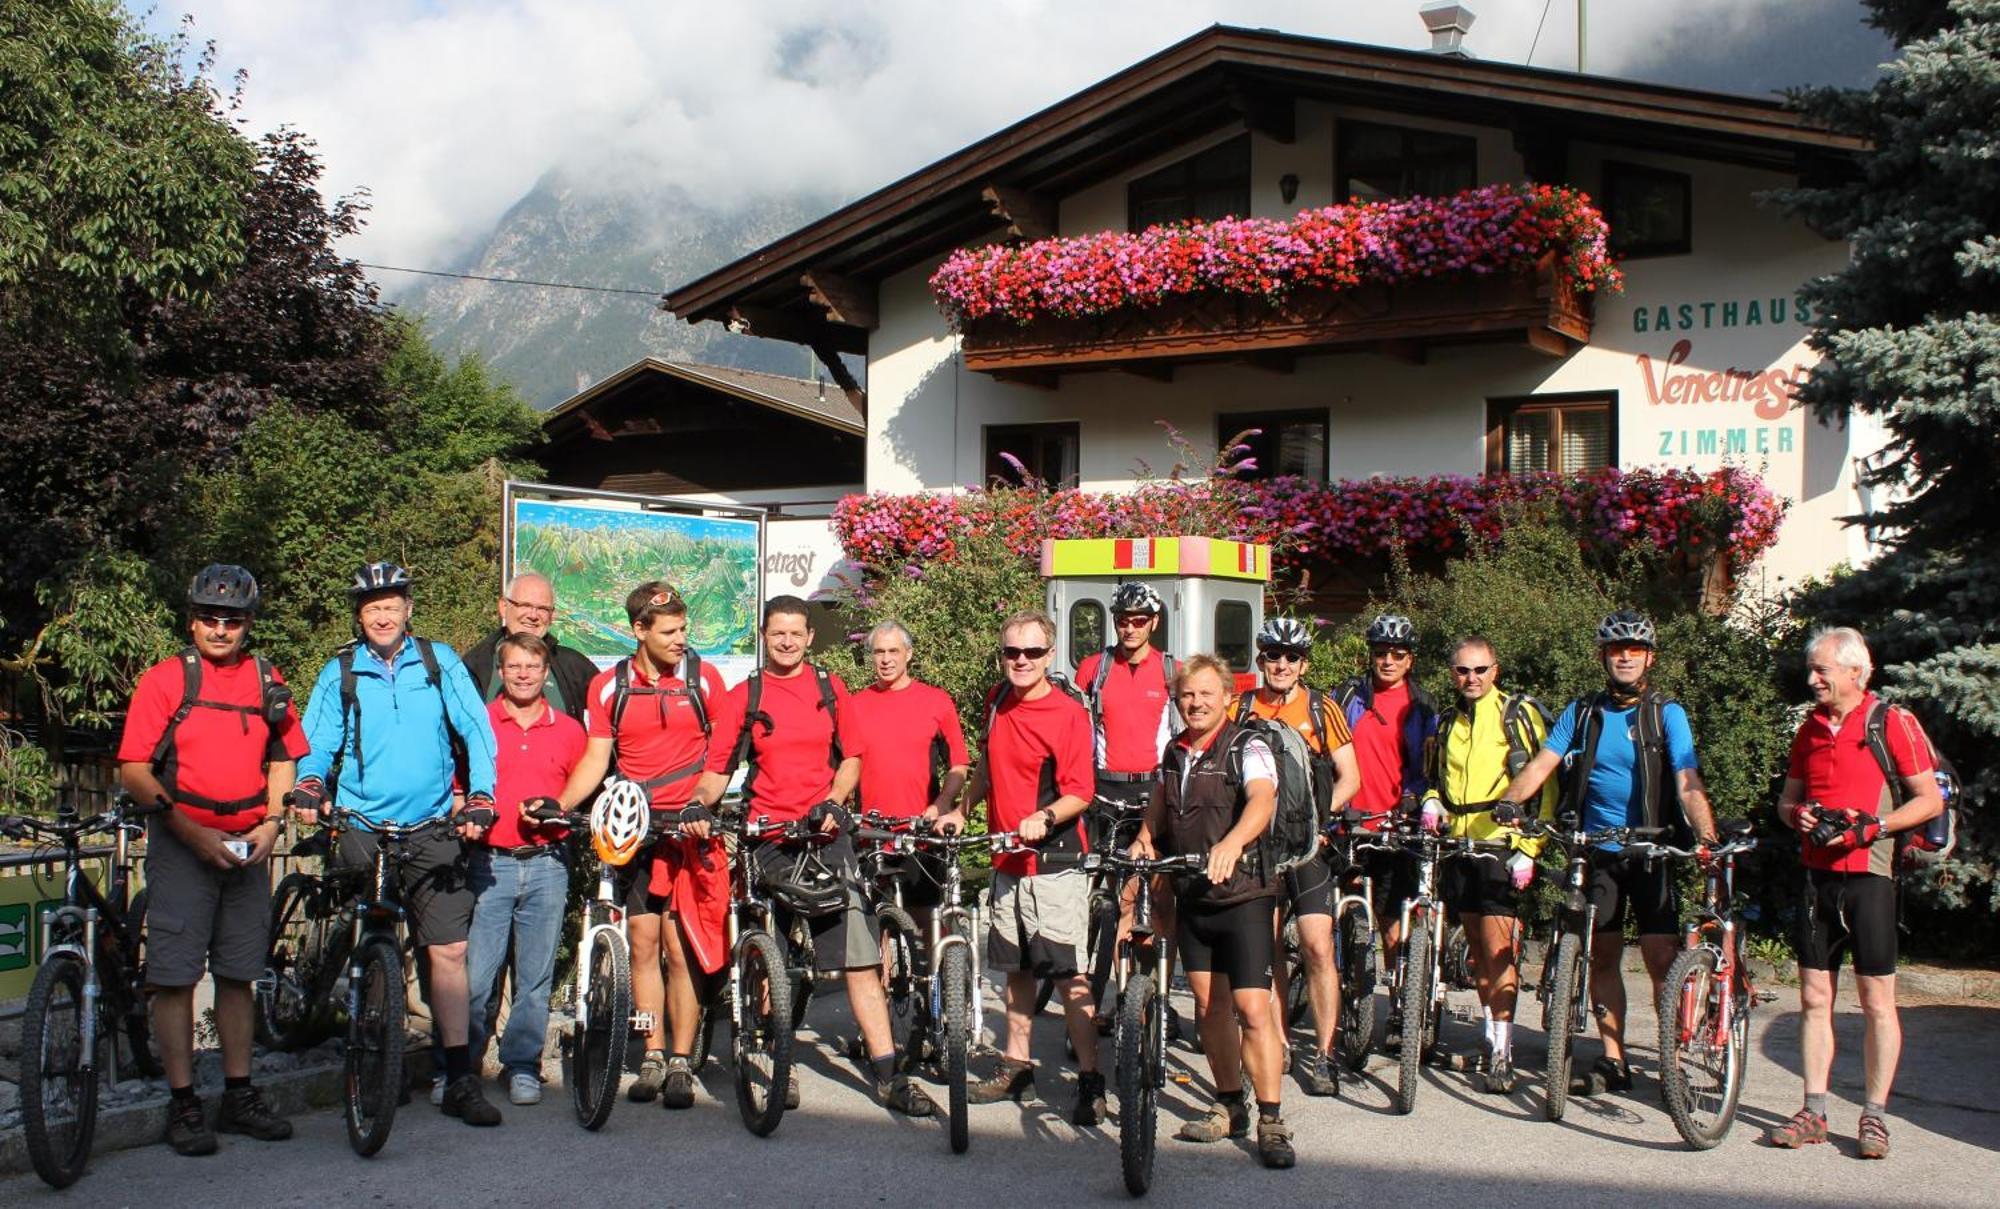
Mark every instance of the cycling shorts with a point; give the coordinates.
(434, 883)
(1848, 913)
(1308, 888)
(1393, 875)
(1232, 942)
(1478, 886)
(1618, 885)
(631, 883)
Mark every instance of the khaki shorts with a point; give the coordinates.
(201, 917)
(1039, 923)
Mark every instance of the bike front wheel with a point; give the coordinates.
(762, 1045)
(1559, 1019)
(58, 1079)
(1416, 1005)
(955, 1016)
(1357, 989)
(903, 985)
(375, 1044)
(1139, 1031)
(598, 1039)
(1701, 1063)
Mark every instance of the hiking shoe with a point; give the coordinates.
(1500, 1078)
(187, 1129)
(1804, 1129)
(524, 1088)
(652, 1073)
(1010, 1080)
(791, 1092)
(1090, 1108)
(678, 1089)
(1223, 1120)
(244, 1111)
(1274, 1143)
(1874, 1137)
(1603, 1076)
(898, 1094)
(465, 1099)
(1320, 1076)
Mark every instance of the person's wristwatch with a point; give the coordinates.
(1049, 813)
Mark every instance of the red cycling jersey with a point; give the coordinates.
(1135, 720)
(1036, 752)
(219, 754)
(1840, 773)
(894, 731)
(1378, 749)
(659, 732)
(793, 769)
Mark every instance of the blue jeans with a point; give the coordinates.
(522, 900)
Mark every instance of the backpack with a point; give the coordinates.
(1933, 842)
(623, 690)
(1652, 766)
(1094, 701)
(350, 707)
(746, 750)
(1304, 790)
(165, 759)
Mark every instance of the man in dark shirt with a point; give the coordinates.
(528, 606)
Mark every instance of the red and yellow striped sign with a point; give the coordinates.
(1209, 556)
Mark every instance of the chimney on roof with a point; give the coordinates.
(1448, 24)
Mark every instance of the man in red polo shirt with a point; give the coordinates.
(782, 721)
(213, 731)
(1838, 797)
(1035, 776)
(894, 736)
(519, 867)
(649, 722)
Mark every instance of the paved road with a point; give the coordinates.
(1460, 1147)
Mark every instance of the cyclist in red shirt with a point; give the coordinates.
(212, 731)
(1838, 797)
(649, 721)
(895, 735)
(782, 720)
(1035, 777)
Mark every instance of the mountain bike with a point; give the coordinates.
(935, 1010)
(1416, 995)
(1354, 953)
(1139, 993)
(760, 984)
(1117, 823)
(1564, 988)
(298, 996)
(1705, 1000)
(88, 999)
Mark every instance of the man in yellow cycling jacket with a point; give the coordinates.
(1483, 738)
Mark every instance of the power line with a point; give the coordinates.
(655, 295)
(1538, 34)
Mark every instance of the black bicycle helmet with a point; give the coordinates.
(379, 577)
(806, 885)
(1626, 625)
(1136, 597)
(1284, 632)
(1392, 629)
(223, 586)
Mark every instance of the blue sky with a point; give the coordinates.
(448, 112)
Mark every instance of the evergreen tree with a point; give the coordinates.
(1909, 333)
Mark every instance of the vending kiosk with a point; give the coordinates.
(1213, 588)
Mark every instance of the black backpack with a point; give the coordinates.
(1653, 766)
(623, 690)
(1933, 842)
(1517, 722)
(350, 708)
(746, 750)
(273, 698)
(1305, 781)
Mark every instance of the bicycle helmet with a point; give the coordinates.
(1136, 597)
(806, 886)
(1626, 625)
(618, 820)
(1391, 629)
(223, 586)
(1284, 632)
(379, 577)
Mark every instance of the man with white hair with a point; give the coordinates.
(1841, 798)
(527, 605)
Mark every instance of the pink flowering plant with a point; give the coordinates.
(1493, 229)
(1727, 513)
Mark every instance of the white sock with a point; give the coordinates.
(1491, 1042)
(1503, 1038)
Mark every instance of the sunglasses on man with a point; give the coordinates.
(1014, 653)
(1282, 654)
(222, 621)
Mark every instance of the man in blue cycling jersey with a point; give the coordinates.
(1630, 757)
(390, 719)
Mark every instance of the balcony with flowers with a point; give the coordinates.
(1497, 263)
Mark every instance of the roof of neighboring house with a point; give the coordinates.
(1219, 77)
(815, 401)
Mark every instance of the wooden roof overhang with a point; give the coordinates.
(817, 286)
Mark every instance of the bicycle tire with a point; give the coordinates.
(1415, 997)
(762, 1043)
(121, 989)
(902, 984)
(1688, 1000)
(292, 1008)
(52, 1059)
(1456, 960)
(375, 1043)
(704, 1038)
(1357, 990)
(1298, 996)
(955, 1021)
(597, 1050)
(1138, 1048)
(1559, 1019)
(799, 969)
